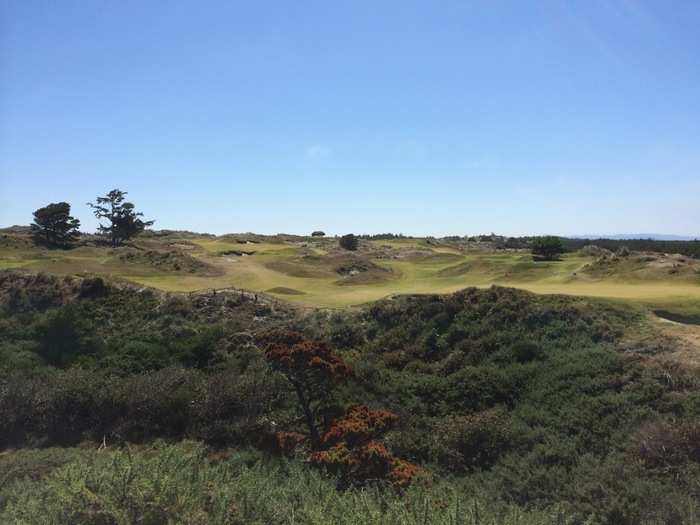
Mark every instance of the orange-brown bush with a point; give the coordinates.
(353, 450)
(311, 368)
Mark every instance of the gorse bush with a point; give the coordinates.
(312, 370)
(182, 484)
(353, 450)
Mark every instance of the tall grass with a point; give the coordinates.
(181, 484)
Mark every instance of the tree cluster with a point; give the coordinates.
(54, 226)
(548, 247)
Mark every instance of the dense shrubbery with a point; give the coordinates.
(529, 397)
(183, 484)
(229, 406)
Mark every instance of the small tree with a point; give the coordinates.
(54, 226)
(318, 233)
(349, 242)
(123, 221)
(548, 247)
(311, 368)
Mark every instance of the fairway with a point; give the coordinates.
(306, 270)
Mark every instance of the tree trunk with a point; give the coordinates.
(309, 416)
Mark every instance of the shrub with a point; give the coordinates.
(476, 441)
(348, 242)
(353, 450)
(62, 337)
(183, 483)
(548, 247)
(526, 351)
(665, 446)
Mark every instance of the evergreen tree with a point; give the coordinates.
(54, 226)
(123, 222)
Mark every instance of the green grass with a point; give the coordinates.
(447, 270)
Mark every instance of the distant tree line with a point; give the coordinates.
(54, 227)
(383, 236)
(687, 248)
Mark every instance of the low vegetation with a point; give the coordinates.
(123, 403)
(495, 405)
(323, 274)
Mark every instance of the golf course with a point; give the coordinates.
(317, 272)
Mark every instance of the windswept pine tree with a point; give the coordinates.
(123, 222)
(54, 226)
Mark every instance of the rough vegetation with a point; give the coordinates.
(325, 274)
(169, 261)
(495, 402)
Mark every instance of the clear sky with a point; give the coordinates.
(565, 117)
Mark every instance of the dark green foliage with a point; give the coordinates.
(688, 248)
(123, 222)
(348, 242)
(318, 233)
(474, 441)
(62, 336)
(533, 399)
(384, 236)
(525, 351)
(66, 407)
(54, 226)
(547, 248)
(189, 484)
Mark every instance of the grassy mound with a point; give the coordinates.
(284, 291)
(645, 266)
(169, 261)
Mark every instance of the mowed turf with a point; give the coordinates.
(436, 269)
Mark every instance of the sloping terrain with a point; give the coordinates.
(324, 274)
(549, 405)
(644, 266)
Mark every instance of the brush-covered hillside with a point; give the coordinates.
(122, 404)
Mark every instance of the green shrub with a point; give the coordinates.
(348, 242)
(476, 441)
(182, 484)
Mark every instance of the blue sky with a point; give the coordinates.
(416, 117)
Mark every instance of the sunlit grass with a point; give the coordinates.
(447, 270)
